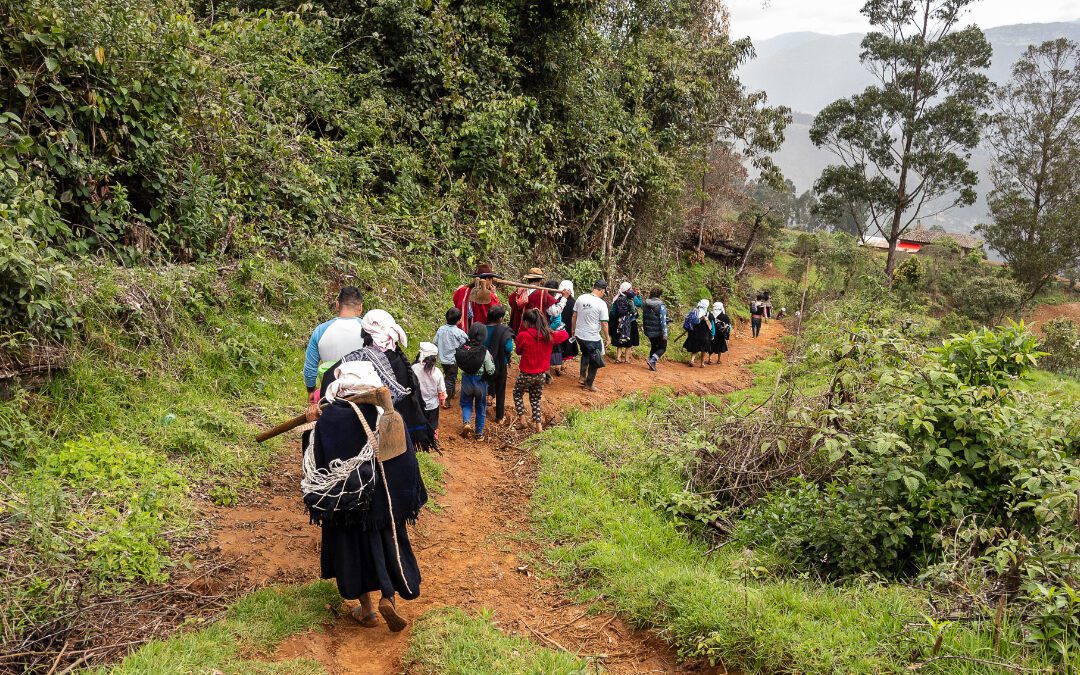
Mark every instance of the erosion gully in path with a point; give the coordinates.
(472, 553)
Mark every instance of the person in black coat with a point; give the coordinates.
(570, 347)
(372, 552)
(721, 326)
(699, 336)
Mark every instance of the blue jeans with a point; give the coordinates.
(755, 325)
(474, 395)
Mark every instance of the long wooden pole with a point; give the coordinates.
(504, 282)
(376, 396)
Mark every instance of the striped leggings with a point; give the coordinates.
(534, 384)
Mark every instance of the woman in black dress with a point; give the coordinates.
(700, 334)
(569, 348)
(624, 321)
(372, 552)
(721, 327)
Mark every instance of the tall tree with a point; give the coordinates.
(1036, 140)
(904, 143)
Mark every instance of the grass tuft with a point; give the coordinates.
(447, 641)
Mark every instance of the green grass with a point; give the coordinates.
(1052, 384)
(253, 627)
(447, 641)
(595, 507)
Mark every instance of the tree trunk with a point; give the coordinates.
(901, 188)
(749, 245)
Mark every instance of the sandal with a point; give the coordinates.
(394, 621)
(369, 620)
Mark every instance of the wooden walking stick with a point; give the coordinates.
(379, 396)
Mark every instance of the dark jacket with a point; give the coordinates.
(652, 318)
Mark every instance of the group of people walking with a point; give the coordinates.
(363, 491)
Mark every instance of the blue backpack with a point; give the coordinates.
(688, 322)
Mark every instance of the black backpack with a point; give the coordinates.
(470, 359)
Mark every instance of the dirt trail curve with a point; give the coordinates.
(470, 552)
(1044, 313)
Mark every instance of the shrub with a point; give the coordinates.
(986, 298)
(122, 498)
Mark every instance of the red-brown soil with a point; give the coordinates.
(1044, 313)
(471, 551)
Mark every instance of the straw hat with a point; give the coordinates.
(533, 274)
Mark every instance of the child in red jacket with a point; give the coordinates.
(534, 343)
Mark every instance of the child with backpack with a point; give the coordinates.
(535, 343)
(476, 365)
(432, 382)
(448, 338)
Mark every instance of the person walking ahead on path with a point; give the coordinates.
(699, 331)
(474, 362)
(448, 338)
(590, 329)
(757, 311)
(527, 298)
(334, 338)
(432, 382)
(534, 343)
(475, 300)
(569, 348)
(721, 331)
(500, 344)
(654, 323)
(624, 316)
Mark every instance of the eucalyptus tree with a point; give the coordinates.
(1035, 136)
(904, 142)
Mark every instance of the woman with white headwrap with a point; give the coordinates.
(721, 331)
(371, 551)
(569, 348)
(700, 333)
(624, 317)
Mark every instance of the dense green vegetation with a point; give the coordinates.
(141, 131)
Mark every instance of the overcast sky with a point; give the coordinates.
(762, 20)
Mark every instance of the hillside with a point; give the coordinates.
(806, 71)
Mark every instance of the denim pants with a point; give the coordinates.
(474, 395)
(588, 366)
(755, 324)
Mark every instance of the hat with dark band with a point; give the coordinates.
(533, 274)
(483, 271)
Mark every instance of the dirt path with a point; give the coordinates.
(1044, 313)
(470, 551)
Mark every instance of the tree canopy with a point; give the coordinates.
(1035, 136)
(904, 143)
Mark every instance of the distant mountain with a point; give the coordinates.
(806, 71)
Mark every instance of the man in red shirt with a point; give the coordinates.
(524, 299)
(475, 299)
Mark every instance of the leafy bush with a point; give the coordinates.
(927, 447)
(1061, 341)
(123, 499)
(986, 298)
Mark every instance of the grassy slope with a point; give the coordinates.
(254, 625)
(448, 641)
(593, 505)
